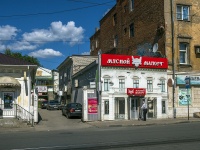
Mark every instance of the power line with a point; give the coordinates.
(55, 12)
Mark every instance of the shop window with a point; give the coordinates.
(163, 107)
(183, 53)
(106, 105)
(182, 12)
(149, 85)
(106, 84)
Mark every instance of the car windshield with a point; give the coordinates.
(76, 105)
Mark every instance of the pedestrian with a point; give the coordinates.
(144, 108)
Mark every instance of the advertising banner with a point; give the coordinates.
(133, 61)
(194, 80)
(183, 96)
(136, 91)
(92, 106)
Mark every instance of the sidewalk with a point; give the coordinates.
(102, 124)
(124, 123)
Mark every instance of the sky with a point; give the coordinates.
(50, 30)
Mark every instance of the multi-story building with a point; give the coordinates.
(70, 66)
(164, 28)
(44, 84)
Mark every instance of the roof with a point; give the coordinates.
(8, 60)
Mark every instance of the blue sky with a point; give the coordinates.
(50, 30)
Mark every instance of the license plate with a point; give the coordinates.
(77, 110)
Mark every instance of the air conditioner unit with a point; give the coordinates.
(197, 49)
(76, 83)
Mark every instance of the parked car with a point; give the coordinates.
(53, 104)
(72, 110)
(44, 104)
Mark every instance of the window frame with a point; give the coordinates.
(149, 85)
(136, 82)
(121, 84)
(131, 5)
(162, 84)
(180, 13)
(106, 107)
(163, 106)
(131, 30)
(106, 84)
(183, 51)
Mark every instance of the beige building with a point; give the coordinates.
(164, 28)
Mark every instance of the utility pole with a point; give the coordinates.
(173, 55)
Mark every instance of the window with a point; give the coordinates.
(106, 107)
(121, 84)
(149, 85)
(182, 12)
(131, 30)
(106, 84)
(116, 41)
(163, 107)
(162, 82)
(135, 83)
(114, 19)
(183, 53)
(131, 2)
(96, 43)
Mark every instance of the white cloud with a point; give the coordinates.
(8, 32)
(2, 47)
(22, 45)
(45, 53)
(57, 32)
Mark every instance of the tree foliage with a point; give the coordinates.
(20, 56)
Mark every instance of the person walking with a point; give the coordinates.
(144, 108)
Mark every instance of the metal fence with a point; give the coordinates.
(16, 111)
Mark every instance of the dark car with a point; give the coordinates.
(72, 110)
(53, 104)
(44, 104)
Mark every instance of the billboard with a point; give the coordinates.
(92, 106)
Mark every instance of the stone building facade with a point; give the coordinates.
(164, 28)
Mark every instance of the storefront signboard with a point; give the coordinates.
(194, 80)
(136, 91)
(133, 61)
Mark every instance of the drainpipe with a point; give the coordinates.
(100, 117)
(173, 57)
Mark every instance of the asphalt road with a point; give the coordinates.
(176, 136)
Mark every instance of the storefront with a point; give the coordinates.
(128, 80)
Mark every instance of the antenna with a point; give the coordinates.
(155, 47)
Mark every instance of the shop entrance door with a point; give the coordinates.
(8, 98)
(119, 108)
(134, 104)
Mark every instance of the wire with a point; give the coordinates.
(56, 12)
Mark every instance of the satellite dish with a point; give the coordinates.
(155, 47)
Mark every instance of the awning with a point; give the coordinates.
(9, 81)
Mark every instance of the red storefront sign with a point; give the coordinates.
(133, 61)
(136, 91)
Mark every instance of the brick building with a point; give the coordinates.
(164, 28)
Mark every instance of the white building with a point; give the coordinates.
(126, 81)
